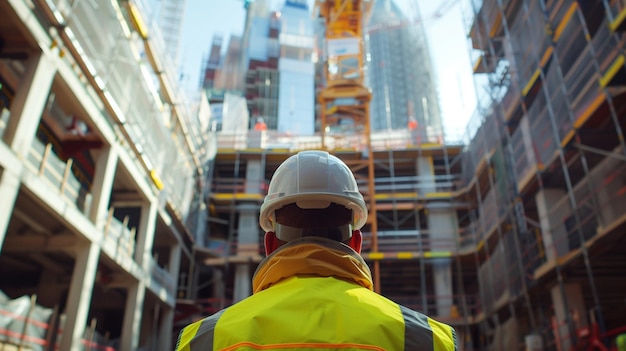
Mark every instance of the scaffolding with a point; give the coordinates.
(533, 246)
(554, 78)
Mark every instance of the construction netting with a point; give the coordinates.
(118, 62)
(22, 323)
(25, 325)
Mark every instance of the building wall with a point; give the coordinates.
(97, 176)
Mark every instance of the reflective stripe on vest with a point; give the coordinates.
(200, 333)
(423, 333)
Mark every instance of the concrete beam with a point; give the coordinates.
(32, 243)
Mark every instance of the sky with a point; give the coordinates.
(446, 37)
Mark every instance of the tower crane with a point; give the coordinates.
(344, 95)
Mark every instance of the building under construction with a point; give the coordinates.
(514, 237)
(100, 171)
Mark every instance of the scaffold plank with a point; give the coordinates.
(566, 18)
(618, 22)
(613, 70)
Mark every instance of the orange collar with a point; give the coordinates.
(312, 257)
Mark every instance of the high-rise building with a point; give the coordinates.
(261, 63)
(296, 101)
(399, 72)
(170, 21)
(230, 76)
(279, 83)
(212, 65)
(168, 16)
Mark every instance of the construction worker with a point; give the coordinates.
(314, 290)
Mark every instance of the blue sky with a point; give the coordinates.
(446, 36)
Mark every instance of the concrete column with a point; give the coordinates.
(550, 214)
(174, 262)
(105, 167)
(533, 342)
(248, 232)
(247, 245)
(426, 172)
(442, 227)
(254, 177)
(173, 266)
(442, 273)
(145, 235)
(243, 286)
(29, 103)
(79, 297)
(9, 187)
(569, 310)
(218, 287)
(133, 311)
(165, 329)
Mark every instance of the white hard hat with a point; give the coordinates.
(313, 179)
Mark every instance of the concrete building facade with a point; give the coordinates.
(99, 171)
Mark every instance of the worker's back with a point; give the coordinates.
(320, 313)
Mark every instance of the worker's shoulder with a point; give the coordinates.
(443, 335)
(199, 329)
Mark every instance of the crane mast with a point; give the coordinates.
(344, 99)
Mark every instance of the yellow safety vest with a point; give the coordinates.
(316, 295)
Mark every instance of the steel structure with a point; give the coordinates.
(344, 99)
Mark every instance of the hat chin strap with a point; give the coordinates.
(337, 233)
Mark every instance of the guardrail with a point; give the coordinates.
(42, 160)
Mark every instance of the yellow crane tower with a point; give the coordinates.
(344, 100)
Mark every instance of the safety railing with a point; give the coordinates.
(529, 40)
(557, 100)
(109, 54)
(511, 100)
(25, 325)
(162, 278)
(484, 141)
(225, 185)
(541, 130)
(604, 44)
(118, 239)
(490, 214)
(615, 11)
(425, 242)
(600, 202)
(576, 62)
(421, 185)
(43, 161)
(523, 153)
(468, 236)
(394, 139)
(224, 248)
(533, 251)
